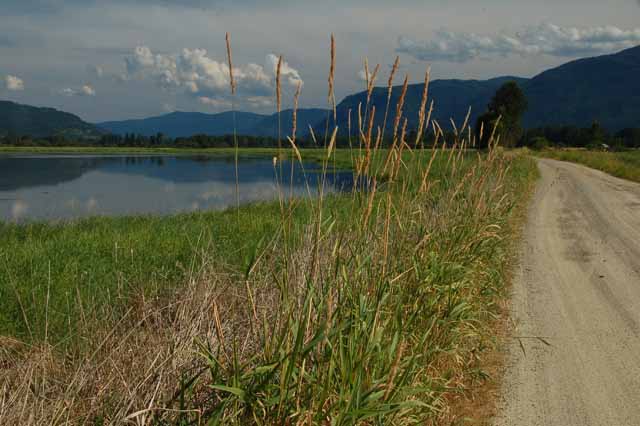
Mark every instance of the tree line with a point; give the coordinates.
(504, 114)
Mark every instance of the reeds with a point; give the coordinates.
(332, 71)
(232, 84)
(370, 308)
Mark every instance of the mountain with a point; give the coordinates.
(39, 122)
(452, 99)
(184, 124)
(306, 118)
(604, 88)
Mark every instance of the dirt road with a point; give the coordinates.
(575, 356)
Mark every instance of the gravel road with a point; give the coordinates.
(574, 358)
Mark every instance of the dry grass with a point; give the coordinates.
(376, 311)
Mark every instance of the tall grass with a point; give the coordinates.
(373, 309)
(625, 165)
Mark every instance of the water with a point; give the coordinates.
(55, 187)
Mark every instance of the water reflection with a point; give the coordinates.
(63, 187)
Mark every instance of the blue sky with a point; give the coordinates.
(127, 59)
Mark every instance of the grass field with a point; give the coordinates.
(624, 164)
(341, 160)
(374, 307)
(410, 294)
(87, 271)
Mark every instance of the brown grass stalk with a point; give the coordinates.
(232, 81)
(332, 72)
(394, 69)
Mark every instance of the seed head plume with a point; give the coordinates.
(366, 70)
(278, 85)
(371, 82)
(332, 71)
(400, 105)
(332, 142)
(296, 97)
(232, 81)
(394, 69)
(423, 107)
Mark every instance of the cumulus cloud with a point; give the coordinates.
(290, 74)
(260, 101)
(85, 90)
(88, 90)
(545, 38)
(14, 83)
(206, 78)
(96, 70)
(214, 102)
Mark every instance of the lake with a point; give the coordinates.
(55, 187)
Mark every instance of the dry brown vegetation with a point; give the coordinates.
(377, 309)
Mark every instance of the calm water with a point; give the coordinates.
(66, 187)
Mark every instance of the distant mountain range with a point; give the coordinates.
(34, 121)
(604, 88)
(183, 124)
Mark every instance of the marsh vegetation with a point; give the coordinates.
(374, 306)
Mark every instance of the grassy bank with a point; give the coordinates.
(88, 271)
(100, 150)
(625, 165)
(60, 281)
(342, 159)
(375, 307)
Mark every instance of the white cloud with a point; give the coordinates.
(194, 72)
(214, 102)
(547, 38)
(292, 75)
(14, 83)
(260, 101)
(85, 90)
(88, 90)
(96, 71)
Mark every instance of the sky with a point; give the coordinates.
(125, 59)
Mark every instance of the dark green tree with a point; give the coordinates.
(505, 110)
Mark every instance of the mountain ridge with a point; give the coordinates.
(20, 119)
(602, 88)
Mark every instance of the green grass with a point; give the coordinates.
(625, 165)
(417, 287)
(325, 312)
(341, 160)
(92, 267)
(131, 150)
(61, 280)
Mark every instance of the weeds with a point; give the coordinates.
(625, 165)
(371, 310)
